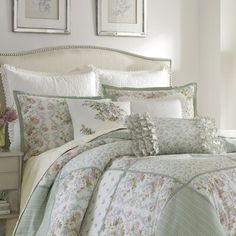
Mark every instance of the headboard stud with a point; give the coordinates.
(63, 59)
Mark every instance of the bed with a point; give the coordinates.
(119, 181)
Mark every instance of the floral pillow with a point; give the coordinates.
(45, 122)
(153, 136)
(79, 83)
(91, 116)
(186, 95)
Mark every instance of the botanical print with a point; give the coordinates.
(86, 130)
(78, 187)
(42, 9)
(172, 136)
(43, 5)
(135, 207)
(122, 11)
(186, 95)
(135, 193)
(219, 188)
(105, 111)
(46, 122)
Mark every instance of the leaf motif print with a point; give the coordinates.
(106, 110)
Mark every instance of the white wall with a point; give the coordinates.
(187, 31)
(172, 33)
(209, 95)
(228, 58)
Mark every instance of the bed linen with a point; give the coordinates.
(186, 95)
(96, 186)
(79, 84)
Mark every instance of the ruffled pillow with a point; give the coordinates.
(143, 135)
(173, 136)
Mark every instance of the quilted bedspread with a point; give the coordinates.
(101, 188)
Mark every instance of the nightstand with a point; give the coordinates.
(10, 181)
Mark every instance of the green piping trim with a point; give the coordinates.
(106, 87)
(56, 96)
(16, 93)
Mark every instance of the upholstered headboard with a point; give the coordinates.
(63, 59)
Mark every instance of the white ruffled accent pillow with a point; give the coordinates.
(76, 84)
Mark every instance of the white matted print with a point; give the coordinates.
(42, 16)
(121, 17)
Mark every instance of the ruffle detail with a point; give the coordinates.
(209, 136)
(7, 102)
(143, 134)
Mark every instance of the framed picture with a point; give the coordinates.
(42, 16)
(121, 18)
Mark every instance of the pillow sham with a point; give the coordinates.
(45, 122)
(171, 108)
(186, 95)
(90, 116)
(228, 138)
(135, 79)
(77, 84)
(229, 143)
(173, 136)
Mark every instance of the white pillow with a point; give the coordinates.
(134, 79)
(186, 95)
(171, 108)
(90, 116)
(80, 85)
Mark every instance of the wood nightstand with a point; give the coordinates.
(10, 181)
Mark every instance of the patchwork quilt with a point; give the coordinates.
(98, 187)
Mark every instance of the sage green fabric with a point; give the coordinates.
(101, 188)
(59, 119)
(115, 93)
(188, 213)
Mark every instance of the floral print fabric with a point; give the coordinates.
(172, 136)
(100, 188)
(45, 121)
(186, 94)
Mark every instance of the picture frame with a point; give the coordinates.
(42, 16)
(121, 18)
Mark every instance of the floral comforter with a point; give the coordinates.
(100, 188)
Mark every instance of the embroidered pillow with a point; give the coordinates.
(186, 95)
(90, 116)
(80, 84)
(173, 136)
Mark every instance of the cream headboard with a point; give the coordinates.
(63, 59)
